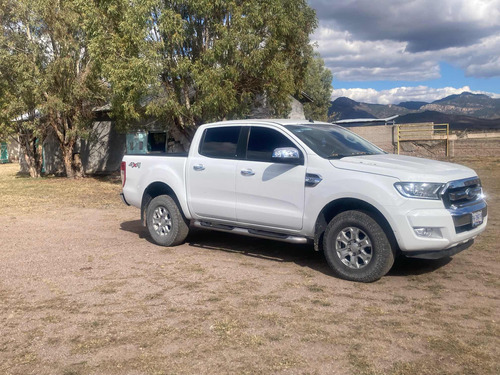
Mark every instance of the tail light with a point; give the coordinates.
(123, 172)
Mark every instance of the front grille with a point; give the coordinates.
(462, 193)
(463, 199)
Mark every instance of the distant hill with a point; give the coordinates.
(476, 105)
(345, 108)
(383, 111)
(464, 111)
(412, 105)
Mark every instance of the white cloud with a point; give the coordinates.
(403, 94)
(424, 24)
(481, 60)
(356, 60)
(366, 40)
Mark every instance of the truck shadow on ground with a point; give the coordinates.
(275, 251)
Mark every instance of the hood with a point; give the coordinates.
(405, 168)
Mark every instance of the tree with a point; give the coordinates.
(318, 85)
(19, 88)
(193, 61)
(50, 79)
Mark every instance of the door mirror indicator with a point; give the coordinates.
(313, 179)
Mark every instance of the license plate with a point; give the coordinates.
(477, 218)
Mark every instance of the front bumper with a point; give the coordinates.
(438, 254)
(453, 230)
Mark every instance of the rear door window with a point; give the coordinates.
(221, 142)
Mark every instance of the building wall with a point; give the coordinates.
(101, 152)
(379, 135)
(297, 112)
(471, 144)
(52, 157)
(13, 149)
(471, 147)
(261, 109)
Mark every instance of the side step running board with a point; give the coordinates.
(250, 232)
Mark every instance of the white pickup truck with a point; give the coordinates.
(299, 181)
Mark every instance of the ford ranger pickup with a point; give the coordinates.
(300, 182)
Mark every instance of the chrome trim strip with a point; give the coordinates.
(467, 200)
(462, 183)
(477, 206)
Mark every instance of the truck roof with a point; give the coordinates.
(273, 121)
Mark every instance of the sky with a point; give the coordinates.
(389, 51)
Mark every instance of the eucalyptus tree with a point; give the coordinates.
(192, 61)
(48, 77)
(20, 83)
(318, 85)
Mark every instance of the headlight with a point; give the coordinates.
(421, 190)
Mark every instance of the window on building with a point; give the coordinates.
(137, 143)
(157, 142)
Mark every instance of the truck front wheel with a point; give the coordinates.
(165, 222)
(357, 248)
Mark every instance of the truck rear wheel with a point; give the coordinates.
(165, 222)
(357, 248)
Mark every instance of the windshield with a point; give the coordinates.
(333, 142)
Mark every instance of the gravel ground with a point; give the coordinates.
(84, 291)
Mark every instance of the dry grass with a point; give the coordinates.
(19, 193)
(89, 294)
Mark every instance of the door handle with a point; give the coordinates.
(198, 167)
(247, 172)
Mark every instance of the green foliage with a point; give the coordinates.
(318, 85)
(20, 84)
(46, 69)
(193, 61)
(185, 62)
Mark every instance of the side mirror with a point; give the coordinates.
(287, 155)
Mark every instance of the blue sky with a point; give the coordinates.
(449, 76)
(388, 51)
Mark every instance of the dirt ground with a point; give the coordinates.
(84, 291)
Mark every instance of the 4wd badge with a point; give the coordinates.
(134, 165)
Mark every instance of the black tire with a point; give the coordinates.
(165, 222)
(357, 248)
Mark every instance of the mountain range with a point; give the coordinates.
(463, 111)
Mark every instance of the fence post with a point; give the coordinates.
(398, 137)
(447, 139)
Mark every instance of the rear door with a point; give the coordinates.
(211, 174)
(269, 193)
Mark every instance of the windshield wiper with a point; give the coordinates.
(337, 156)
(340, 156)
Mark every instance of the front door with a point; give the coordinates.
(268, 193)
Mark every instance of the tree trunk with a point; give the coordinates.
(77, 165)
(72, 161)
(32, 151)
(181, 137)
(68, 161)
